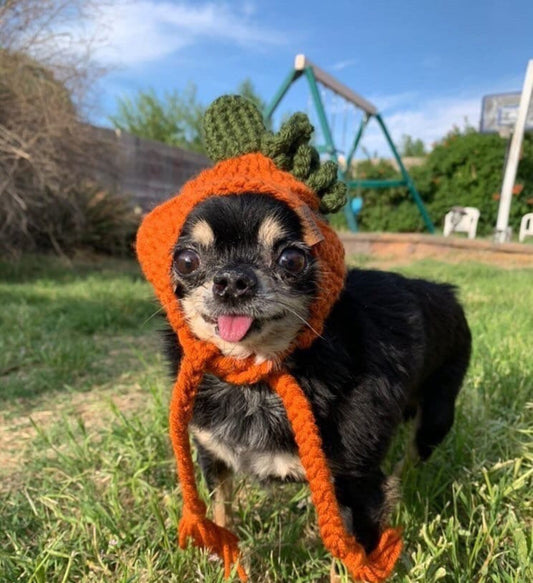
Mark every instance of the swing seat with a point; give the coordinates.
(356, 204)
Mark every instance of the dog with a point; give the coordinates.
(392, 349)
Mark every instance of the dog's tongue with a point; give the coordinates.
(233, 328)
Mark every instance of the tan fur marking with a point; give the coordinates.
(391, 491)
(334, 575)
(269, 232)
(222, 499)
(202, 233)
(215, 447)
(282, 465)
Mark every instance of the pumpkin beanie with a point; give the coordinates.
(285, 166)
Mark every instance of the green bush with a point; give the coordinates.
(388, 209)
(465, 169)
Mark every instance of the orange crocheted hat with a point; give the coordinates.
(250, 159)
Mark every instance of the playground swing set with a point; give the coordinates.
(319, 82)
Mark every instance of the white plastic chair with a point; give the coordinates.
(461, 219)
(526, 227)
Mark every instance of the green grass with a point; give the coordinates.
(88, 491)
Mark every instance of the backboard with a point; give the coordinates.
(499, 113)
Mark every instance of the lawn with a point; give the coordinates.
(87, 485)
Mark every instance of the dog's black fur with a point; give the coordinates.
(391, 348)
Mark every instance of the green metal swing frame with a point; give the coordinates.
(314, 75)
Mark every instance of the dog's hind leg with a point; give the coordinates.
(366, 504)
(437, 405)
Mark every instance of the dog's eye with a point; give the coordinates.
(186, 261)
(293, 260)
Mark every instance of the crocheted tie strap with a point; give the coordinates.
(380, 563)
(194, 523)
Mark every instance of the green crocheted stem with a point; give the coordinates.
(233, 126)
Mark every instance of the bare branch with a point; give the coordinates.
(45, 73)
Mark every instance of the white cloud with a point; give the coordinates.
(142, 31)
(434, 118)
(426, 119)
(430, 118)
(386, 103)
(340, 65)
(414, 113)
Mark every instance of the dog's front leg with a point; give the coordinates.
(334, 575)
(219, 480)
(222, 500)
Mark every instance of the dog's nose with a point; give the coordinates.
(235, 283)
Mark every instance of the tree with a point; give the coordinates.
(58, 34)
(466, 169)
(175, 118)
(411, 147)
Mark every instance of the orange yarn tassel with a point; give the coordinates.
(381, 561)
(194, 523)
(374, 568)
(208, 535)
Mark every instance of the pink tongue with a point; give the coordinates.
(233, 328)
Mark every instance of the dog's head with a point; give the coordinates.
(244, 275)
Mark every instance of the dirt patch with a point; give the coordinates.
(93, 408)
(396, 249)
(126, 364)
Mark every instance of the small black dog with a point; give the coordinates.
(392, 348)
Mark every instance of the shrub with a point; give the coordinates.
(46, 152)
(465, 169)
(109, 222)
(388, 209)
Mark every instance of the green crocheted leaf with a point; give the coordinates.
(323, 178)
(306, 161)
(281, 147)
(233, 126)
(334, 199)
(331, 191)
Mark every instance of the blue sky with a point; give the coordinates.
(425, 64)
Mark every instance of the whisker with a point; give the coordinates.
(158, 311)
(294, 313)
